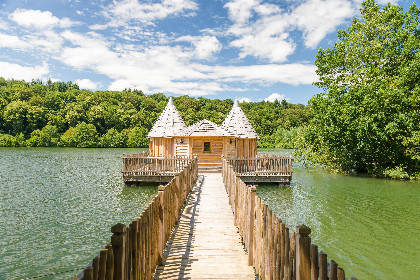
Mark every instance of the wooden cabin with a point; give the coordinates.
(235, 138)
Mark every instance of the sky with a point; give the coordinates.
(253, 50)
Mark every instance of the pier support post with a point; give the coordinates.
(303, 259)
(118, 240)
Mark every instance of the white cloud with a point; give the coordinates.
(87, 84)
(205, 46)
(317, 18)
(16, 71)
(126, 10)
(39, 19)
(244, 99)
(263, 30)
(241, 10)
(171, 69)
(14, 42)
(275, 96)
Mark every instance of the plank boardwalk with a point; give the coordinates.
(206, 244)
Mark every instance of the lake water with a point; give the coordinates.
(57, 206)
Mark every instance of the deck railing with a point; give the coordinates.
(143, 165)
(274, 250)
(136, 250)
(263, 164)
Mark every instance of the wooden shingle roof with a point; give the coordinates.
(207, 128)
(237, 122)
(169, 123)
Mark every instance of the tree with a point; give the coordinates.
(113, 139)
(82, 136)
(137, 138)
(368, 117)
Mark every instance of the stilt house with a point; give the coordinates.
(235, 138)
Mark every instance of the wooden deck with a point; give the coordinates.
(206, 244)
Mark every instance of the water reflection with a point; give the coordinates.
(368, 225)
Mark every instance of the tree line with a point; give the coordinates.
(59, 114)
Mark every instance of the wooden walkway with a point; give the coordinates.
(206, 244)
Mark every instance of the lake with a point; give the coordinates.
(57, 206)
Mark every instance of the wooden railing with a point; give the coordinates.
(143, 165)
(274, 250)
(136, 250)
(263, 164)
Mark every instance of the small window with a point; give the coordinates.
(206, 147)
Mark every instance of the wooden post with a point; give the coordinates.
(118, 245)
(102, 264)
(340, 274)
(303, 260)
(88, 273)
(314, 261)
(161, 243)
(251, 226)
(333, 270)
(323, 266)
(95, 265)
(109, 275)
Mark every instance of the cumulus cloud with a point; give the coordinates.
(39, 19)
(87, 84)
(171, 69)
(14, 42)
(19, 72)
(275, 96)
(264, 30)
(205, 46)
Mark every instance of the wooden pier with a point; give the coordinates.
(215, 227)
(206, 244)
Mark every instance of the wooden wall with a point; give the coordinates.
(205, 158)
(161, 147)
(246, 147)
(182, 149)
(170, 147)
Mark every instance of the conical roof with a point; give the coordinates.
(169, 123)
(207, 128)
(238, 123)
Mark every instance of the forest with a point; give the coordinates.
(59, 114)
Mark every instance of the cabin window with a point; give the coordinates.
(231, 141)
(206, 147)
(181, 141)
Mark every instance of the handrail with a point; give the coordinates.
(263, 165)
(274, 250)
(136, 250)
(143, 165)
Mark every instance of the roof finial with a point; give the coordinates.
(236, 104)
(171, 101)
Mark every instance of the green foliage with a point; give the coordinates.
(82, 136)
(368, 118)
(113, 139)
(137, 138)
(47, 137)
(50, 114)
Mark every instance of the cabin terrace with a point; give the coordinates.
(172, 145)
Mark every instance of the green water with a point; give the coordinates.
(57, 206)
(369, 226)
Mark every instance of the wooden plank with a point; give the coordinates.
(206, 244)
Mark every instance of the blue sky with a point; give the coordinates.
(248, 49)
